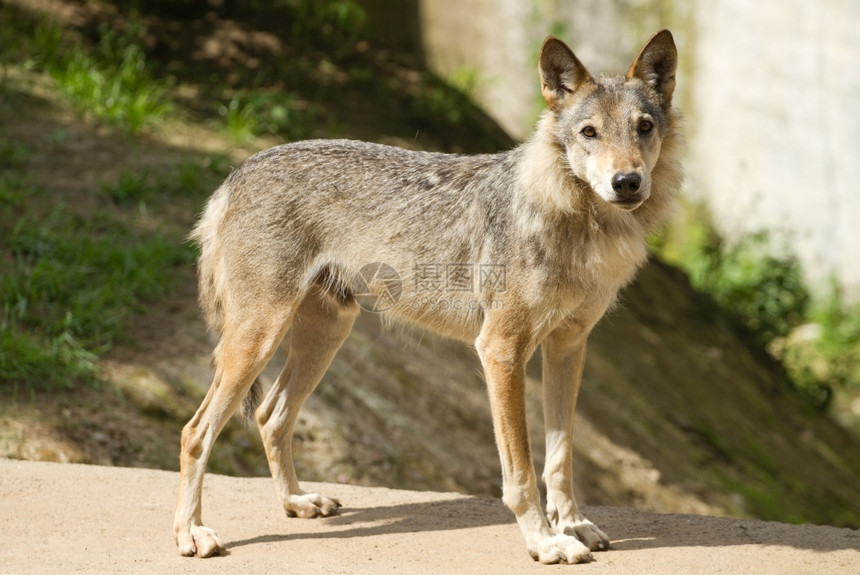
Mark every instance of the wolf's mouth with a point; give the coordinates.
(628, 204)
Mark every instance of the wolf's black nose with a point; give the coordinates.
(626, 184)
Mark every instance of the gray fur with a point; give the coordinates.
(509, 251)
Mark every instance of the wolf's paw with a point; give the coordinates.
(199, 541)
(587, 532)
(310, 505)
(559, 548)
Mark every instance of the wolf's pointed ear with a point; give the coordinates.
(655, 65)
(561, 73)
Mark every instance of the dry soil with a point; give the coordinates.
(65, 518)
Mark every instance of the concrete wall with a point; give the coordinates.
(771, 91)
(492, 40)
(776, 125)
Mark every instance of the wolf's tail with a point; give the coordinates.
(211, 279)
(251, 401)
(210, 265)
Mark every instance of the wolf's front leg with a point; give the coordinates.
(504, 360)
(563, 362)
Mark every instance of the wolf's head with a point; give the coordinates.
(611, 129)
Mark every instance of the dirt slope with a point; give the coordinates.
(85, 519)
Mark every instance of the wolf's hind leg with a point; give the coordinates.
(244, 350)
(321, 325)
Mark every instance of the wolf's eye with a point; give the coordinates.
(588, 132)
(646, 126)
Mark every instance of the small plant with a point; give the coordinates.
(144, 186)
(767, 291)
(465, 79)
(817, 338)
(47, 44)
(241, 120)
(252, 114)
(824, 354)
(187, 178)
(58, 362)
(334, 20)
(131, 187)
(13, 155)
(437, 101)
(112, 82)
(13, 191)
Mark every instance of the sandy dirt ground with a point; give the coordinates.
(63, 518)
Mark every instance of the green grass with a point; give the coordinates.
(760, 282)
(827, 357)
(70, 285)
(250, 114)
(332, 20)
(12, 191)
(67, 275)
(815, 335)
(43, 363)
(111, 82)
(13, 155)
(131, 187)
(441, 103)
(185, 179)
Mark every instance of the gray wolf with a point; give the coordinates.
(301, 236)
